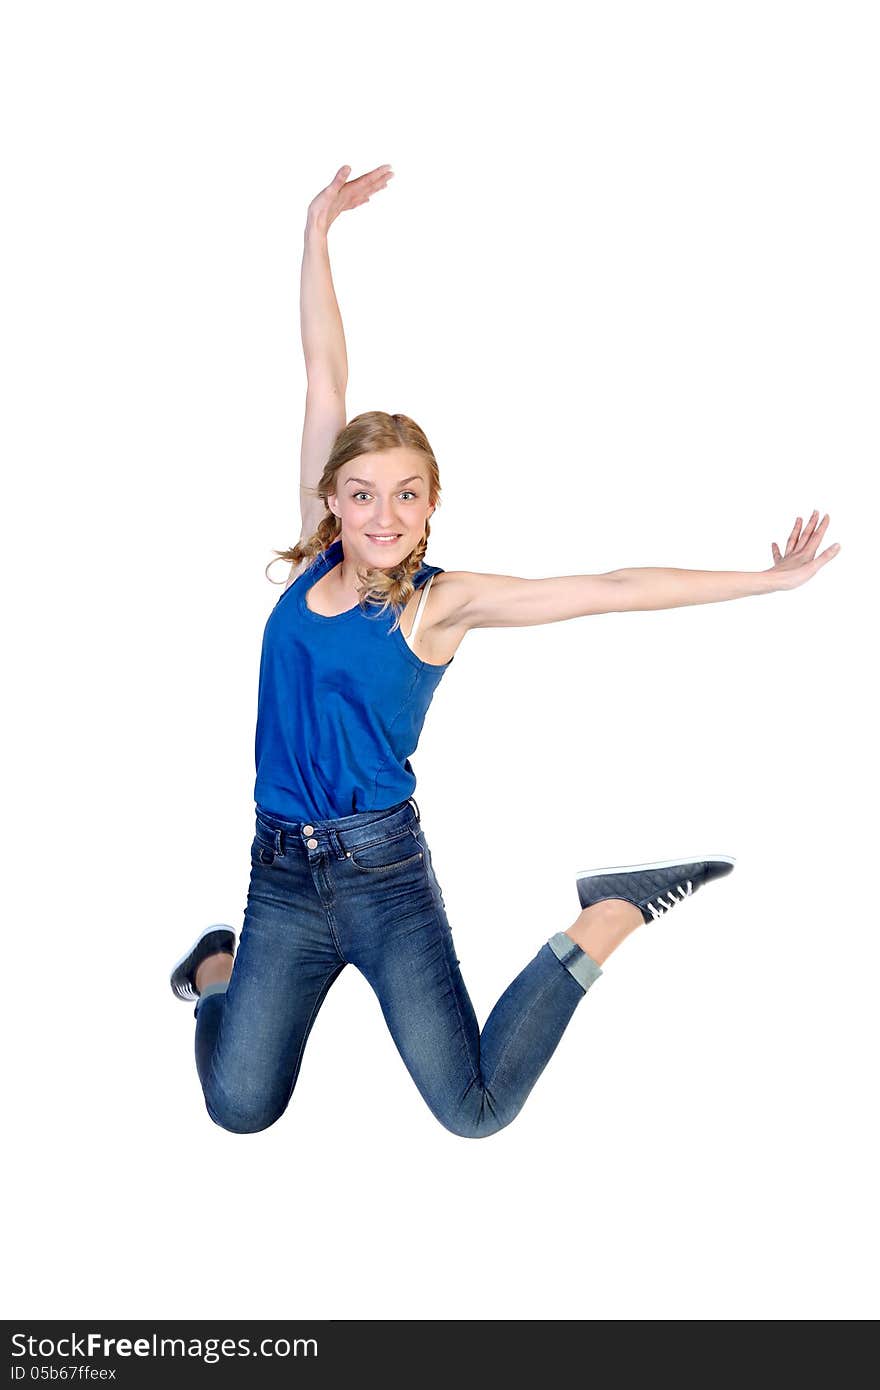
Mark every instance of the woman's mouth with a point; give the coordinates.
(383, 540)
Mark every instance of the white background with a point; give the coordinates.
(626, 279)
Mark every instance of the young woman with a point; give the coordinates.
(341, 871)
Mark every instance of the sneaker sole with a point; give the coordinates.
(657, 864)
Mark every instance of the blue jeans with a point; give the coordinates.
(361, 890)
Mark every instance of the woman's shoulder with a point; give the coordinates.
(310, 561)
(449, 592)
(295, 572)
(439, 635)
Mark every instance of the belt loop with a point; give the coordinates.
(334, 840)
(416, 805)
(279, 841)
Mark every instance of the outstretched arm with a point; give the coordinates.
(500, 600)
(662, 588)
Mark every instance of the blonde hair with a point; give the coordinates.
(370, 433)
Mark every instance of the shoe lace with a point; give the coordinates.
(657, 909)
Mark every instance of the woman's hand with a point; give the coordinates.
(800, 561)
(339, 196)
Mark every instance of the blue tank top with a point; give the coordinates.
(341, 705)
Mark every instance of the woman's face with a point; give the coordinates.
(381, 495)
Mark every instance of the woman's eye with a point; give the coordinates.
(356, 495)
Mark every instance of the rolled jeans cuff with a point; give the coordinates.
(219, 987)
(576, 961)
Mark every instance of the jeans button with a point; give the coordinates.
(308, 830)
(312, 844)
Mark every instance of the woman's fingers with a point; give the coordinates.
(798, 539)
(340, 195)
(361, 189)
(810, 528)
(813, 534)
(802, 545)
(374, 179)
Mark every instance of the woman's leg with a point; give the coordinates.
(600, 929)
(397, 933)
(251, 1033)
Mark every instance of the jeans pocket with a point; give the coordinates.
(262, 850)
(385, 855)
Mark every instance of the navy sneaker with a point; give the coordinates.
(183, 976)
(652, 888)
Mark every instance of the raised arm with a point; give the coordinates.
(500, 600)
(323, 338)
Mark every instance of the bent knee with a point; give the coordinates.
(481, 1125)
(244, 1117)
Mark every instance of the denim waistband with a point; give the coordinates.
(340, 834)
